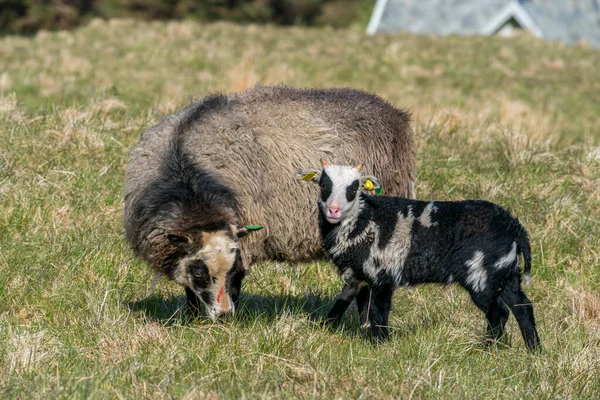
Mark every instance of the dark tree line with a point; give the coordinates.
(28, 16)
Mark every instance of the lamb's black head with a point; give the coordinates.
(340, 188)
(208, 262)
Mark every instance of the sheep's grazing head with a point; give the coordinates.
(340, 187)
(209, 263)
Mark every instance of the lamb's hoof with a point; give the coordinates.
(490, 343)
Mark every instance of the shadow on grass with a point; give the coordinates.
(252, 306)
(172, 310)
(165, 310)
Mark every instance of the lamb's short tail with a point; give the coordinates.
(525, 249)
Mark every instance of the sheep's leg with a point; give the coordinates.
(363, 301)
(193, 305)
(497, 315)
(381, 304)
(522, 309)
(342, 302)
(236, 286)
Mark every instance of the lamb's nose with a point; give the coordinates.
(334, 212)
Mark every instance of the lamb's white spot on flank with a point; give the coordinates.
(477, 275)
(393, 256)
(450, 278)
(508, 259)
(425, 217)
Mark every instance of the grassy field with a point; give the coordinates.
(515, 121)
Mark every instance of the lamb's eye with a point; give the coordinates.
(214, 280)
(351, 191)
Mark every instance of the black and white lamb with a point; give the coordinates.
(379, 243)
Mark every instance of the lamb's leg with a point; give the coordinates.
(363, 301)
(522, 309)
(495, 312)
(342, 301)
(381, 304)
(193, 303)
(497, 316)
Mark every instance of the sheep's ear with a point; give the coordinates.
(241, 231)
(179, 240)
(308, 174)
(371, 183)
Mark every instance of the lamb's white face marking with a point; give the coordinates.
(338, 178)
(477, 274)
(425, 217)
(508, 259)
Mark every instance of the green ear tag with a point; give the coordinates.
(379, 190)
(309, 176)
(254, 227)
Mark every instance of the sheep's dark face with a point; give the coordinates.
(340, 189)
(211, 266)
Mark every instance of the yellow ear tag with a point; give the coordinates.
(368, 185)
(309, 176)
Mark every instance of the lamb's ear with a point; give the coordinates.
(241, 231)
(308, 174)
(179, 240)
(371, 183)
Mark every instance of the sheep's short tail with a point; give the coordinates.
(154, 284)
(525, 249)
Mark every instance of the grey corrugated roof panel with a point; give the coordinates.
(438, 16)
(566, 20)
